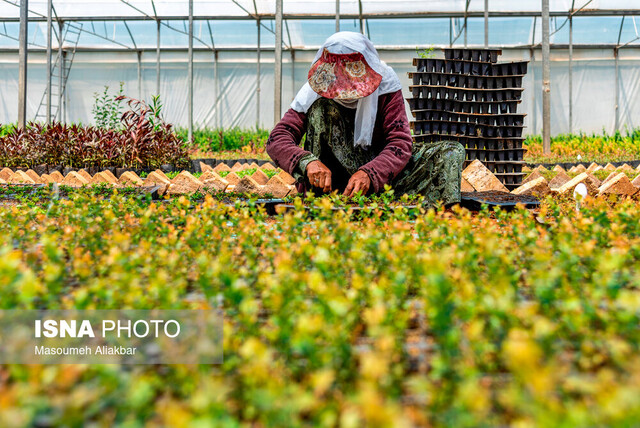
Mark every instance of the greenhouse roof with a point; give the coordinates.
(233, 9)
(230, 24)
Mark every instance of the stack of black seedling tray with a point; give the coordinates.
(471, 98)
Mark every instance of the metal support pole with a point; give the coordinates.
(546, 81)
(337, 16)
(534, 123)
(617, 83)
(22, 64)
(190, 71)
(139, 75)
(49, 40)
(60, 70)
(277, 102)
(486, 24)
(158, 60)
(571, 73)
(258, 80)
(293, 74)
(361, 17)
(216, 79)
(64, 89)
(466, 9)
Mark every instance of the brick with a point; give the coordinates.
(6, 173)
(56, 176)
(204, 167)
(466, 186)
(221, 167)
(481, 178)
(540, 169)
(237, 167)
(184, 183)
(232, 178)
(216, 182)
(46, 179)
(74, 179)
(20, 177)
(276, 187)
(130, 178)
(619, 185)
(287, 178)
(594, 167)
(85, 175)
(578, 169)
(559, 180)
(103, 177)
(155, 179)
(209, 175)
(537, 187)
(533, 176)
(161, 174)
(260, 177)
(568, 187)
(609, 177)
(248, 185)
(34, 176)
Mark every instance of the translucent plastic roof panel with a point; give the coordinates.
(130, 24)
(124, 9)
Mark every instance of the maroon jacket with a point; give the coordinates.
(391, 142)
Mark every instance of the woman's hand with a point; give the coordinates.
(319, 176)
(359, 182)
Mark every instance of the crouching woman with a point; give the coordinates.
(357, 132)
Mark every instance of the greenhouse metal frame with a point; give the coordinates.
(65, 18)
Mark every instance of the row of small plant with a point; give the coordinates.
(144, 141)
(219, 140)
(451, 319)
(586, 148)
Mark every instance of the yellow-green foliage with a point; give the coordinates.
(528, 319)
(598, 148)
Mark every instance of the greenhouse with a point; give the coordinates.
(331, 213)
(594, 53)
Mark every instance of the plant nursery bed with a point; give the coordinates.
(15, 192)
(356, 210)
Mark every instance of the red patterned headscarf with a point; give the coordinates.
(347, 69)
(343, 76)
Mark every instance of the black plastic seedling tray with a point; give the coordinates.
(465, 81)
(484, 55)
(461, 106)
(475, 200)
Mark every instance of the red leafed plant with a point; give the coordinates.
(145, 141)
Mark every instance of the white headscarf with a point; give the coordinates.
(346, 42)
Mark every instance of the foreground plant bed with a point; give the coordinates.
(450, 319)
